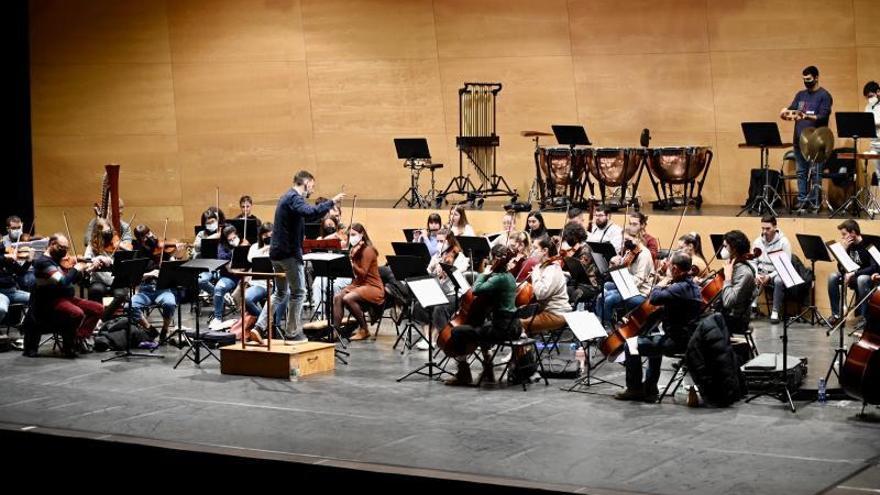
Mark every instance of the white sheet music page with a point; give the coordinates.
(625, 282)
(461, 262)
(786, 271)
(428, 292)
(875, 253)
(842, 257)
(463, 285)
(322, 256)
(585, 325)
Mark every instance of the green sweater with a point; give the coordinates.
(501, 287)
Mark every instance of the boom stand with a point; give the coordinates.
(128, 274)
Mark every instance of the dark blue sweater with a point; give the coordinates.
(291, 215)
(682, 304)
(816, 103)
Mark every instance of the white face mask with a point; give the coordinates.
(354, 239)
(725, 254)
(211, 227)
(15, 233)
(872, 101)
(234, 242)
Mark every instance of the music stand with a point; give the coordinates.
(209, 249)
(172, 277)
(606, 249)
(410, 150)
(475, 248)
(252, 230)
(814, 250)
(788, 276)
(407, 267)
(129, 274)
(240, 258)
(572, 136)
(427, 291)
(849, 266)
(763, 136)
(331, 266)
(408, 234)
(194, 345)
(856, 125)
(417, 249)
(312, 230)
(588, 331)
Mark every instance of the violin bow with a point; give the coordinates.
(165, 239)
(67, 228)
(672, 242)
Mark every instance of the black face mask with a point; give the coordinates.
(107, 235)
(267, 240)
(58, 254)
(150, 242)
(810, 84)
(629, 244)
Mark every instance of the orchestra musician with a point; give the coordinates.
(520, 265)
(859, 280)
(54, 302)
(605, 230)
(637, 259)
(583, 282)
(550, 290)
(636, 224)
(246, 204)
(535, 226)
(692, 244)
(329, 230)
(125, 235)
(257, 293)
(12, 266)
(15, 233)
(147, 245)
(576, 215)
(428, 236)
(458, 222)
(738, 289)
(103, 246)
(680, 305)
(448, 251)
(213, 221)
(508, 228)
(500, 288)
(367, 286)
(771, 239)
(221, 282)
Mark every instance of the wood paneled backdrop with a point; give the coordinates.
(192, 94)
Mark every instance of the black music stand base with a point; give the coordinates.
(458, 185)
(412, 196)
(780, 390)
(430, 365)
(588, 380)
(134, 273)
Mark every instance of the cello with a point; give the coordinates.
(860, 376)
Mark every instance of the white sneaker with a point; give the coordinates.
(422, 345)
(215, 325)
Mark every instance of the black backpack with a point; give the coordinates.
(112, 336)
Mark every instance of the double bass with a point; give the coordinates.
(860, 376)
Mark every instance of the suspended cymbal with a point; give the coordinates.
(804, 139)
(820, 145)
(534, 133)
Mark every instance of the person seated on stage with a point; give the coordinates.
(101, 281)
(56, 306)
(859, 280)
(549, 287)
(257, 293)
(771, 239)
(14, 231)
(638, 261)
(811, 107)
(577, 216)
(10, 269)
(738, 290)
(605, 230)
(520, 265)
(335, 211)
(500, 288)
(680, 305)
(583, 282)
(636, 223)
(25, 278)
(126, 235)
(246, 204)
(508, 229)
(692, 244)
(213, 221)
(221, 282)
(439, 315)
(366, 287)
(535, 226)
(428, 236)
(145, 245)
(329, 230)
(459, 223)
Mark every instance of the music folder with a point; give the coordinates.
(585, 325)
(842, 256)
(786, 271)
(625, 282)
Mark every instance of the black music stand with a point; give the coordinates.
(408, 234)
(252, 228)
(128, 275)
(763, 136)
(240, 258)
(209, 249)
(571, 136)
(410, 150)
(417, 249)
(312, 230)
(408, 267)
(331, 269)
(814, 249)
(606, 249)
(855, 125)
(181, 282)
(195, 344)
(427, 300)
(475, 248)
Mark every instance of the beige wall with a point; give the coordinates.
(189, 95)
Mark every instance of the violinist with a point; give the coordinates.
(11, 268)
(739, 282)
(500, 287)
(221, 282)
(428, 236)
(458, 222)
(637, 259)
(521, 264)
(366, 287)
(329, 230)
(14, 231)
(448, 251)
(54, 302)
(636, 224)
(549, 286)
(508, 229)
(859, 280)
(213, 221)
(246, 204)
(146, 245)
(605, 230)
(101, 247)
(583, 281)
(332, 229)
(680, 305)
(125, 235)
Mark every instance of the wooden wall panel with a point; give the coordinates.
(640, 26)
(107, 99)
(502, 28)
(780, 24)
(868, 68)
(867, 28)
(368, 29)
(235, 31)
(98, 32)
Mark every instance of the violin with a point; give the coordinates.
(715, 282)
(630, 255)
(70, 260)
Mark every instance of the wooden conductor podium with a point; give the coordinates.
(274, 358)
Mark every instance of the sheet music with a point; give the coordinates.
(786, 271)
(461, 262)
(463, 285)
(427, 291)
(322, 256)
(585, 325)
(625, 282)
(842, 257)
(875, 253)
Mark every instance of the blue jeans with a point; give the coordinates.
(610, 299)
(256, 296)
(223, 286)
(148, 294)
(294, 290)
(653, 347)
(11, 296)
(206, 281)
(805, 192)
(862, 286)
